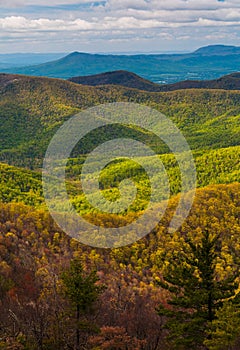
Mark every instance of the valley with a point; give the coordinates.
(42, 305)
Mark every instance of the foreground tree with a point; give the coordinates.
(82, 290)
(224, 333)
(196, 291)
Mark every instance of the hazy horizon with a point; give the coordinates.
(130, 52)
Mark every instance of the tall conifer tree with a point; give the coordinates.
(196, 292)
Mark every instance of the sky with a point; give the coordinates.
(117, 25)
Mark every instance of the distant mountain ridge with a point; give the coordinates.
(206, 63)
(222, 50)
(131, 80)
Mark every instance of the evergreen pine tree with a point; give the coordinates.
(224, 333)
(196, 292)
(81, 289)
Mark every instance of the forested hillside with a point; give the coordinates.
(122, 78)
(131, 80)
(36, 313)
(32, 109)
(219, 166)
(167, 291)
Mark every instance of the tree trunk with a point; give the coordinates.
(77, 329)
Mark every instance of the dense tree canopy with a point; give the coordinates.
(51, 286)
(34, 254)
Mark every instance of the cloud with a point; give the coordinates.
(159, 20)
(172, 5)
(118, 21)
(19, 23)
(114, 5)
(25, 3)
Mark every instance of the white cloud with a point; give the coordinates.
(20, 23)
(43, 24)
(121, 20)
(24, 3)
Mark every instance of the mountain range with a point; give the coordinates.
(33, 108)
(209, 62)
(132, 80)
(35, 254)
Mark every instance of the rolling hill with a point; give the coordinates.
(219, 166)
(128, 79)
(227, 82)
(123, 78)
(35, 252)
(32, 109)
(35, 255)
(206, 63)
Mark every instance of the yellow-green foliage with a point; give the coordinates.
(32, 109)
(34, 252)
(213, 167)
